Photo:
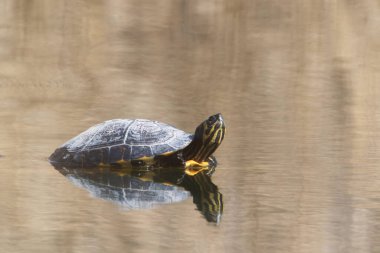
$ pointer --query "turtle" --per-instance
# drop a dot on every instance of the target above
(142, 142)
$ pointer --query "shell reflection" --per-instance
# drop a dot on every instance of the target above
(142, 189)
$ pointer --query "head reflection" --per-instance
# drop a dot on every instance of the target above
(142, 189)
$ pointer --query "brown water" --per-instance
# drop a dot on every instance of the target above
(298, 84)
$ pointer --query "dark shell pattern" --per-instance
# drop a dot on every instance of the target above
(124, 139)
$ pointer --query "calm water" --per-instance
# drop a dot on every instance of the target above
(299, 87)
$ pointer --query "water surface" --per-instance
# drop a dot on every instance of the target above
(298, 86)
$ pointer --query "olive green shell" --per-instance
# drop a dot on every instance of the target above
(121, 140)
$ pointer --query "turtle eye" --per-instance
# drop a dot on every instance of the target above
(210, 120)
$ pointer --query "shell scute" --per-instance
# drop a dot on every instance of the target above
(141, 151)
(94, 156)
(80, 140)
(162, 148)
(116, 154)
(111, 133)
(145, 132)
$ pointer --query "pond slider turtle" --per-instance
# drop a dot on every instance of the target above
(142, 142)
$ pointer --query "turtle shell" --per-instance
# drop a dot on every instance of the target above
(122, 139)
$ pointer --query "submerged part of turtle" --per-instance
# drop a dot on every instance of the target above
(141, 189)
(142, 142)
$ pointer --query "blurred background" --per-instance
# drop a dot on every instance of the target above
(297, 82)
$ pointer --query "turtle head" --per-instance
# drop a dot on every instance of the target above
(207, 138)
(211, 131)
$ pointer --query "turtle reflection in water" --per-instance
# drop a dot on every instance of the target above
(141, 189)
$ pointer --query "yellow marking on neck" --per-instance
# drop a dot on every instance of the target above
(193, 172)
(199, 152)
(192, 163)
(216, 134)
